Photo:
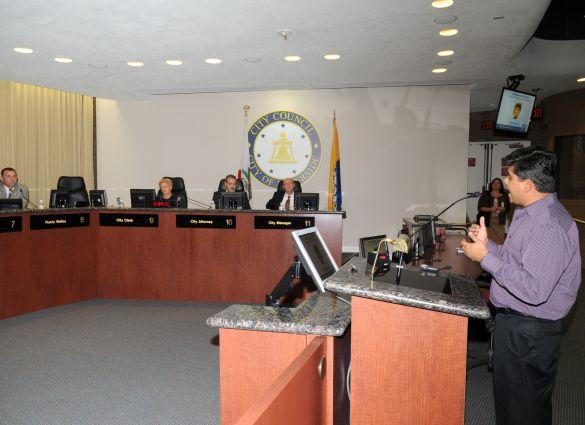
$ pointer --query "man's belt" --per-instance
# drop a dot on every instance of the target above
(506, 310)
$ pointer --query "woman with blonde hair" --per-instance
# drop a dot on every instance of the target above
(166, 194)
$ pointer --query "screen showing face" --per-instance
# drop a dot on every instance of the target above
(317, 254)
(515, 111)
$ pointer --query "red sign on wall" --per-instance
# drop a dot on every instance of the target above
(471, 162)
(488, 125)
(537, 113)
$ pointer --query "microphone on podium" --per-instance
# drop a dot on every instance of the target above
(402, 246)
(27, 200)
(435, 218)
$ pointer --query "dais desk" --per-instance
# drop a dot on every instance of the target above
(55, 257)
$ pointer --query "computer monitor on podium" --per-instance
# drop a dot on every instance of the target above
(307, 201)
(370, 243)
(232, 200)
(142, 198)
(60, 198)
(98, 198)
(10, 204)
(314, 255)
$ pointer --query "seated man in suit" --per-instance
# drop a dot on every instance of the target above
(11, 188)
(283, 199)
(229, 184)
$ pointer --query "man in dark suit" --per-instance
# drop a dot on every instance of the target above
(10, 188)
(283, 199)
(230, 185)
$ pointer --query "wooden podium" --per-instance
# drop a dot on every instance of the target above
(408, 348)
(284, 366)
(408, 365)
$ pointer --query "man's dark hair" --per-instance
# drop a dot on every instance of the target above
(6, 169)
(536, 164)
(231, 176)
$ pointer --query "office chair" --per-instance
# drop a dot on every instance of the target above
(297, 186)
(76, 186)
(178, 190)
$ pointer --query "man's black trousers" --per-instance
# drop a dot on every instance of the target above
(526, 350)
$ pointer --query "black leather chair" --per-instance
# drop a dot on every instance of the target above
(178, 190)
(239, 185)
(297, 186)
(76, 186)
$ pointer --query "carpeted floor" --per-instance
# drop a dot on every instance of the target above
(110, 362)
(139, 362)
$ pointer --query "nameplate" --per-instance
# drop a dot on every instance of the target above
(283, 222)
(128, 220)
(206, 221)
(10, 224)
(58, 221)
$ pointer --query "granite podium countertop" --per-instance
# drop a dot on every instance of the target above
(320, 314)
(466, 300)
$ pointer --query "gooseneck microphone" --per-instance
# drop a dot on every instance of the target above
(28, 200)
(435, 218)
(469, 195)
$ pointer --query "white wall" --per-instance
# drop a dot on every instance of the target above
(403, 149)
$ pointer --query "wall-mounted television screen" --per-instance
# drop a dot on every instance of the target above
(514, 113)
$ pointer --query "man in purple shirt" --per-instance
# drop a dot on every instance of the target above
(536, 275)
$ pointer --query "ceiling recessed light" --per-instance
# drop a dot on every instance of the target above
(292, 58)
(332, 57)
(63, 60)
(213, 61)
(441, 4)
(448, 32)
(174, 62)
(439, 70)
(445, 53)
(23, 50)
(445, 19)
(134, 64)
(581, 80)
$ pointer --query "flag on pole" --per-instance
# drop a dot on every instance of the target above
(244, 171)
(334, 172)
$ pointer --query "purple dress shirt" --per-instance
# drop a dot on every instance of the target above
(537, 271)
